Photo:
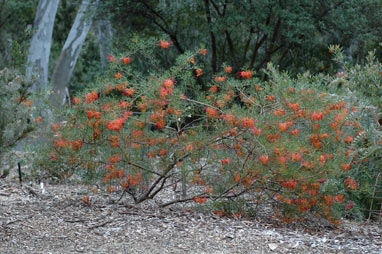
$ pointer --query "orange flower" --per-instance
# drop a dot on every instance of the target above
(168, 83)
(77, 145)
(257, 131)
(200, 200)
(199, 72)
(228, 69)
(349, 206)
(162, 152)
(38, 120)
(295, 132)
(340, 198)
(226, 161)
(247, 122)
(348, 139)
(280, 112)
(211, 113)
(291, 184)
(126, 60)
(283, 127)
(76, 100)
(270, 98)
(220, 79)
(118, 75)
(111, 58)
(328, 200)
(96, 115)
(246, 74)
(160, 124)
(61, 143)
(229, 118)
(317, 116)
(91, 97)
(165, 44)
(295, 107)
(124, 105)
(296, 157)
(351, 183)
(116, 125)
(129, 92)
(114, 141)
(203, 52)
(86, 200)
(213, 89)
(264, 159)
(345, 167)
(114, 159)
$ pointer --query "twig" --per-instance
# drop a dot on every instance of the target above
(100, 225)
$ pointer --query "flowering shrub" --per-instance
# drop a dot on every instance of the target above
(361, 84)
(281, 143)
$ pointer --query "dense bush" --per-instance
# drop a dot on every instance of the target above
(361, 84)
(282, 143)
(15, 111)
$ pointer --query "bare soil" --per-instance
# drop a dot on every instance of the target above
(59, 222)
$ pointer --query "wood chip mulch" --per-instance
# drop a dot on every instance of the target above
(59, 222)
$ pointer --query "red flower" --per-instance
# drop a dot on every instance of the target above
(116, 125)
(203, 52)
(126, 60)
(228, 69)
(213, 89)
(340, 198)
(111, 58)
(129, 92)
(165, 44)
(351, 183)
(90, 97)
(295, 107)
(348, 139)
(246, 74)
(264, 159)
(199, 72)
(349, 206)
(118, 75)
(317, 116)
(346, 167)
(200, 200)
(220, 79)
(247, 122)
(212, 113)
(283, 127)
(226, 161)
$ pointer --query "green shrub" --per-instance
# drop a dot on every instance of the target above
(15, 111)
(282, 143)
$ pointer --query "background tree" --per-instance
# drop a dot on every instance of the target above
(70, 52)
(39, 50)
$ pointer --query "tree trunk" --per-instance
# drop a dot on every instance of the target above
(39, 50)
(70, 52)
(105, 41)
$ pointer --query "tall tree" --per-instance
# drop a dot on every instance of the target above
(105, 36)
(39, 51)
(69, 55)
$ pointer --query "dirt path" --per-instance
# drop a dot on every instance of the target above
(59, 222)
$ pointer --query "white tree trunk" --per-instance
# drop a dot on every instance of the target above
(105, 40)
(39, 51)
(70, 52)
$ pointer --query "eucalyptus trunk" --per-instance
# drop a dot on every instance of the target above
(70, 52)
(105, 40)
(39, 50)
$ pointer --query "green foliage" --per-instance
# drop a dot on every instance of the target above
(282, 143)
(362, 85)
